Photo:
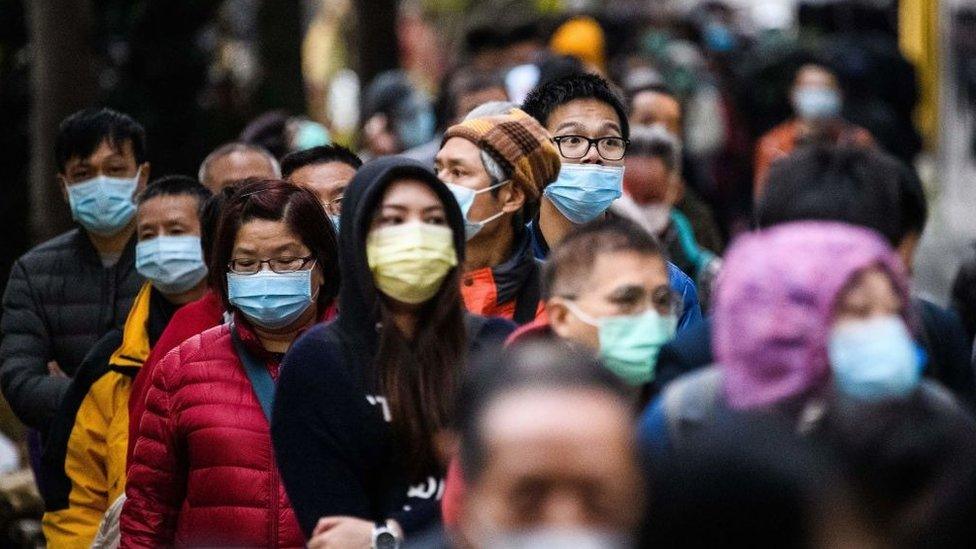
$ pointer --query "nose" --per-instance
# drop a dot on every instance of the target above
(565, 509)
(592, 156)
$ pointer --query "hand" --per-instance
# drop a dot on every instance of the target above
(342, 533)
(54, 370)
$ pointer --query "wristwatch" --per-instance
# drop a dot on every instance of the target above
(385, 537)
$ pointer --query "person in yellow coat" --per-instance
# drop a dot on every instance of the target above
(84, 456)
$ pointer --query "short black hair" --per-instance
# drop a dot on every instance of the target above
(324, 154)
(854, 185)
(575, 255)
(536, 363)
(547, 97)
(176, 185)
(81, 133)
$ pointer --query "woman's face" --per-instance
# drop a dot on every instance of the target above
(407, 201)
(262, 240)
(870, 294)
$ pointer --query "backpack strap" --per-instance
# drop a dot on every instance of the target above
(257, 372)
(527, 300)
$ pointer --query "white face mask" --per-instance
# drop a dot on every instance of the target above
(465, 198)
(553, 538)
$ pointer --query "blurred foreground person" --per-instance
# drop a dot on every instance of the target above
(588, 122)
(497, 167)
(817, 100)
(85, 453)
(548, 451)
(65, 294)
(361, 399)
(326, 171)
(202, 471)
(237, 161)
(751, 482)
(796, 333)
(911, 464)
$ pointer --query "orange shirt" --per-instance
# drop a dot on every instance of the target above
(480, 294)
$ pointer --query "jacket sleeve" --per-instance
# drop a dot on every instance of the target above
(85, 465)
(156, 484)
(314, 431)
(33, 394)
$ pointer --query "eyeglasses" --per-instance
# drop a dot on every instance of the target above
(577, 146)
(280, 265)
(664, 300)
(334, 205)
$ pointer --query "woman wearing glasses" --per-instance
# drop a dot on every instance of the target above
(203, 472)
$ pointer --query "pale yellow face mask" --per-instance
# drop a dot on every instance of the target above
(409, 261)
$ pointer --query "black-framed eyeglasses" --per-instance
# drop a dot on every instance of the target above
(577, 146)
(280, 265)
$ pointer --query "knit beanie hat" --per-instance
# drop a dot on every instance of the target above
(517, 142)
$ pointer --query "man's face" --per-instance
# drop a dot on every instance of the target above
(590, 118)
(459, 163)
(619, 283)
(105, 161)
(236, 166)
(560, 459)
(328, 181)
(168, 215)
(466, 102)
(651, 107)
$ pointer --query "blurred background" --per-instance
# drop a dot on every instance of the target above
(196, 73)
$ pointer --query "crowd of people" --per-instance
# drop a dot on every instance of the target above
(518, 328)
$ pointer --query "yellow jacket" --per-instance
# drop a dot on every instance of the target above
(89, 438)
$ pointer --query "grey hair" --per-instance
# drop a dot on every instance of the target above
(494, 169)
(237, 147)
(655, 141)
(491, 108)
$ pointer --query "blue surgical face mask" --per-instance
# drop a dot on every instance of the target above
(465, 198)
(584, 191)
(103, 205)
(816, 103)
(269, 299)
(874, 359)
(173, 264)
(416, 128)
(335, 219)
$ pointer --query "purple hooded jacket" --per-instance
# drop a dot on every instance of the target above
(774, 305)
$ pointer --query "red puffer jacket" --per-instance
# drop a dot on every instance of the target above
(203, 471)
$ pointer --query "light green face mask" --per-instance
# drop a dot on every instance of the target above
(629, 344)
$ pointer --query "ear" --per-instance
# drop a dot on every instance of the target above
(558, 315)
(512, 198)
(144, 170)
(63, 183)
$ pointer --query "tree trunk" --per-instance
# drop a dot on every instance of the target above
(62, 81)
(376, 40)
(280, 34)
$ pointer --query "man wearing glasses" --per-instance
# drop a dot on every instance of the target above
(588, 123)
(324, 170)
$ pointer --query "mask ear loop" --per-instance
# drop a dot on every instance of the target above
(578, 313)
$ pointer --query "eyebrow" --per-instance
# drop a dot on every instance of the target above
(404, 208)
(576, 126)
(629, 290)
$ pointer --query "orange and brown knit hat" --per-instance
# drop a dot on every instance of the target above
(519, 143)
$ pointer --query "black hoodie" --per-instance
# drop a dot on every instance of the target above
(330, 431)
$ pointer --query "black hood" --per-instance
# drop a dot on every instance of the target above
(358, 297)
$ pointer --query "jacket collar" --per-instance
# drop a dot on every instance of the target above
(135, 335)
(83, 243)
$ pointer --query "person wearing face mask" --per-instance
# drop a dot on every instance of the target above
(496, 166)
(65, 294)
(652, 188)
(589, 125)
(817, 101)
(197, 477)
(548, 419)
(326, 171)
(361, 399)
(826, 327)
(84, 455)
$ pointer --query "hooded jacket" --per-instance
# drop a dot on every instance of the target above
(774, 307)
(330, 429)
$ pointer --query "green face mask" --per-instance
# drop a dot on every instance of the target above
(629, 344)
